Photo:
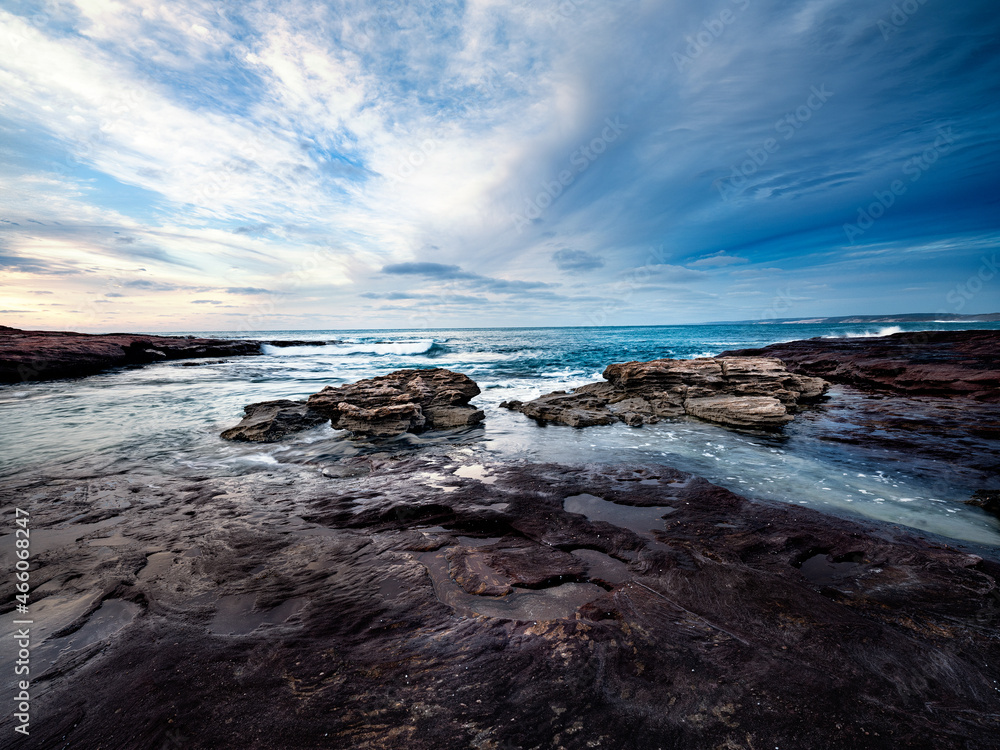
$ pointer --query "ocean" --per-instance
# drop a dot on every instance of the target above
(166, 418)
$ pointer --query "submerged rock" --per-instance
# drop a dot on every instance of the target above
(988, 500)
(269, 421)
(402, 401)
(753, 392)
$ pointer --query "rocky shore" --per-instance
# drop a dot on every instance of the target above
(926, 363)
(48, 355)
(403, 401)
(426, 598)
(642, 608)
(750, 392)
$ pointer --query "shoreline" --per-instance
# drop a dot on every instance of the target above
(53, 355)
(422, 599)
(335, 598)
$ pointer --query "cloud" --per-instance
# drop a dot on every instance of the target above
(247, 290)
(392, 295)
(668, 273)
(716, 260)
(152, 286)
(298, 146)
(576, 260)
(429, 270)
(439, 271)
(206, 302)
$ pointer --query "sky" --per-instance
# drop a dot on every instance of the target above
(222, 166)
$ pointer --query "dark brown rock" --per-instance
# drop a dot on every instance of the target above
(747, 392)
(942, 363)
(494, 570)
(47, 355)
(403, 401)
(734, 624)
(284, 343)
(269, 421)
(988, 500)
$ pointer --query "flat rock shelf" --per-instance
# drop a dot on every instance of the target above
(427, 604)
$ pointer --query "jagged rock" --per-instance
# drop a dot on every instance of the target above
(269, 421)
(403, 401)
(753, 392)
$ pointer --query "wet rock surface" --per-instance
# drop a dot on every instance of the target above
(988, 500)
(269, 421)
(403, 401)
(285, 609)
(950, 436)
(48, 355)
(751, 392)
(942, 363)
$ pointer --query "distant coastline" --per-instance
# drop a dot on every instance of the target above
(852, 319)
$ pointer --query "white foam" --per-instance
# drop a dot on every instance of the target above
(884, 331)
(416, 346)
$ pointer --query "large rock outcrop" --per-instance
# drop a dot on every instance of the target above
(936, 363)
(403, 401)
(749, 392)
(269, 421)
(48, 355)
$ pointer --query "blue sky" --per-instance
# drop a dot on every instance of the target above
(294, 165)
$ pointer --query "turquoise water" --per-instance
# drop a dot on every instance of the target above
(166, 418)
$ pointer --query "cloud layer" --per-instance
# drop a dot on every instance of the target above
(493, 163)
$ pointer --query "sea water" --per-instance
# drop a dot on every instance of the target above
(166, 417)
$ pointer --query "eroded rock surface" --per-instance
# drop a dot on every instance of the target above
(755, 392)
(284, 609)
(403, 401)
(47, 355)
(269, 421)
(941, 363)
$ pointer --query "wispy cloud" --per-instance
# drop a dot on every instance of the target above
(322, 157)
